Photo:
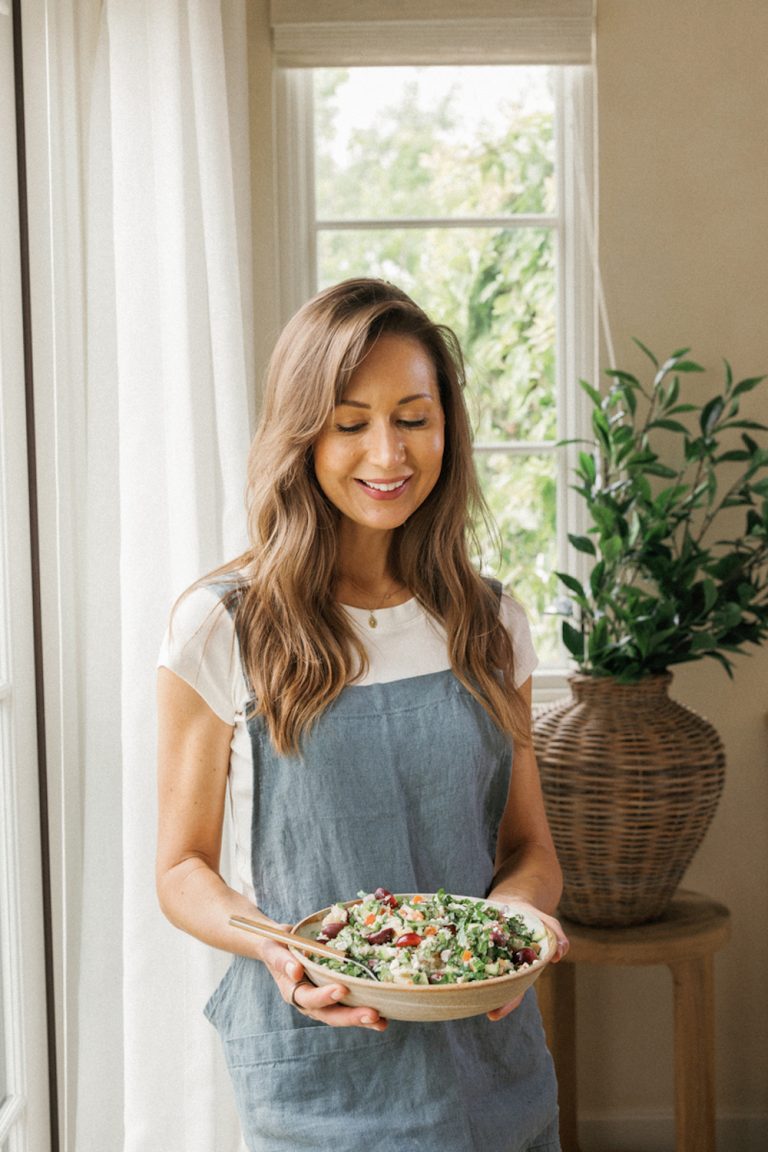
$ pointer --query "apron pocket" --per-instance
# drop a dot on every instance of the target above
(293, 1088)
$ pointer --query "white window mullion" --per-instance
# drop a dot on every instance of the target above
(394, 222)
(578, 277)
(518, 447)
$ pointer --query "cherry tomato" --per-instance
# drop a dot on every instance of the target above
(408, 940)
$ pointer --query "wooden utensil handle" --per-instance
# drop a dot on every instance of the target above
(272, 932)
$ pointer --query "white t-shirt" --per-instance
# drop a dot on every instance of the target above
(201, 647)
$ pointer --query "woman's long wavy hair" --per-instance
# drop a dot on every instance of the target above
(297, 644)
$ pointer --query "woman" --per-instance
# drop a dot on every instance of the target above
(366, 695)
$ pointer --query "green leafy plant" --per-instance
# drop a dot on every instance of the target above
(662, 478)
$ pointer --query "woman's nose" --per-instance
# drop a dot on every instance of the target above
(387, 447)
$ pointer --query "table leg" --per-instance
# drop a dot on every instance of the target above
(694, 1055)
(556, 989)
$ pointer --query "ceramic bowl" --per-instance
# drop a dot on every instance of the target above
(429, 1001)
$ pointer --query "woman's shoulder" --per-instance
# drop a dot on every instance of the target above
(207, 604)
(200, 643)
(512, 613)
(515, 620)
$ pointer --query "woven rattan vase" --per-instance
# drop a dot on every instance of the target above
(631, 782)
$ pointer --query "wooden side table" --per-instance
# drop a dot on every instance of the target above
(685, 940)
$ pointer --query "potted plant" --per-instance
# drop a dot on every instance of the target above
(676, 492)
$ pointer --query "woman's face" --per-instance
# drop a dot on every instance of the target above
(381, 453)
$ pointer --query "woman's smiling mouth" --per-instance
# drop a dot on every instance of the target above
(383, 489)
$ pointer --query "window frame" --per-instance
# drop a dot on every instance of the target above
(24, 1090)
(576, 297)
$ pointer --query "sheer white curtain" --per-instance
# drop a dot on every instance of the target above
(166, 410)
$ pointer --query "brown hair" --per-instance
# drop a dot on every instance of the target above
(298, 646)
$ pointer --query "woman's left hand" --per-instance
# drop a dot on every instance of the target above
(560, 951)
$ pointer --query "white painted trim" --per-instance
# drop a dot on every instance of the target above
(578, 351)
(54, 156)
(395, 222)
(295, 168)
(24, 1111)
(549, 684)
(517, 447)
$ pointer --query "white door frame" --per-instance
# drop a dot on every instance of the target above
(24, 1095)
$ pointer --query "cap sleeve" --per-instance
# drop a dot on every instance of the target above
(200, 646)
(516, 622)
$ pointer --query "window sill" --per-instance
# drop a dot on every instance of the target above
(549, 684)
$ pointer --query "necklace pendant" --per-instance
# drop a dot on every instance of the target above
(372, 621)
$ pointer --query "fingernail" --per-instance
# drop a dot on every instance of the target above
(337, 994)
(367, 1020)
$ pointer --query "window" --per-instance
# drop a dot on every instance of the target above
(467, 186)
(452, 150)
(443, 181)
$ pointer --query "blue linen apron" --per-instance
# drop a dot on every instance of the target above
(401, 785)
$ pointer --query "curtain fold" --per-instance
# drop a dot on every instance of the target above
(169, 397)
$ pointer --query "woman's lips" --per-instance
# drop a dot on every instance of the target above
(383, 489)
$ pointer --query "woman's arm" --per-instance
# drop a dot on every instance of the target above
(193, 763)
(527, 868)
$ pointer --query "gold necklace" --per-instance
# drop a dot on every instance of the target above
(372, 621)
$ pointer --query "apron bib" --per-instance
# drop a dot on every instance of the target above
(402, 785)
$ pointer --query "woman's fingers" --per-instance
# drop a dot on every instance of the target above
(562, 940)
(319, 1003)
(559, 953)
(500, 1013)
(322, 1004)
(555, 925)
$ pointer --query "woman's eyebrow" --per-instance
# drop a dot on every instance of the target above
(405, 400)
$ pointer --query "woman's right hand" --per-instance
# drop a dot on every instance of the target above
(317, 1003)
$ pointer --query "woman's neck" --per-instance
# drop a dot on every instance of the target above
(364, 558)
(364, 574)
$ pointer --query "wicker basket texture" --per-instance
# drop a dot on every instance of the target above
(631, 781)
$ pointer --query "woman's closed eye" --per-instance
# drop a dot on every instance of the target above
(358, 427)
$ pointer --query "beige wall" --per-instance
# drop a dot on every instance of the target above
(683, 144)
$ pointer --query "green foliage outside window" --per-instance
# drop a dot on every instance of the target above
(495, 286)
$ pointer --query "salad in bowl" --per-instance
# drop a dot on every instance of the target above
(431, 955)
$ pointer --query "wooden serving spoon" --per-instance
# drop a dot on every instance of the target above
(302, 943)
